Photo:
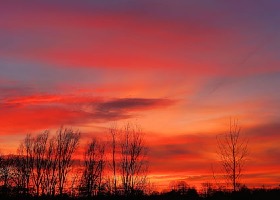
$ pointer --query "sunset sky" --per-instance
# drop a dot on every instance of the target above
(181, 69)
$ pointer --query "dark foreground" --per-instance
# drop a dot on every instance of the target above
(248, 194)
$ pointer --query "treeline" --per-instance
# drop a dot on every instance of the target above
(180, 190)
(45, 165)
(57, 166)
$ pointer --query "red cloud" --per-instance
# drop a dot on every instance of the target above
(45, 111)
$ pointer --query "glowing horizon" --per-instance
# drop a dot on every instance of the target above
(180, 69)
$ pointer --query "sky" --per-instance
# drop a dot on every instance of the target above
(180, 69)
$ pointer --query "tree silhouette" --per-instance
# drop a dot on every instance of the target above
(66, 143)
(133, 161)
(232, 150)
(93, 168)
(51, 164)
(44, 163)
(26, 156)
(6, 170)
(114, 134)
(39, 161)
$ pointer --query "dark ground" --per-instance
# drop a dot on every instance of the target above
(256, 194)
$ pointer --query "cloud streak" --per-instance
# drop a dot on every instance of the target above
(134, 104)
(46, 110)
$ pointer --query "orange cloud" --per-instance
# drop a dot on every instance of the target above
(35, 112)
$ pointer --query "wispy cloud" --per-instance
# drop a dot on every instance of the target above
(133, 104)
(40, 111)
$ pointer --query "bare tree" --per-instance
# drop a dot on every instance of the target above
(133, 161)
(75, 182)
(19, 175)
(30, 164)
(113, 132)
(66, 143)
(206, 189)
(6, 170)
(93, 167)
(39, 161)
(25, 162)
(179, 186)
(46, 162)
(232, 150)
(50, 173)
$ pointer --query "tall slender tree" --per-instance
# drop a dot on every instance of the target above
(232, 150)
(26, 157)
(133, 160)
(39, 157)
(66, 143)
(51, 163)
(114, 134)
(93, 167)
